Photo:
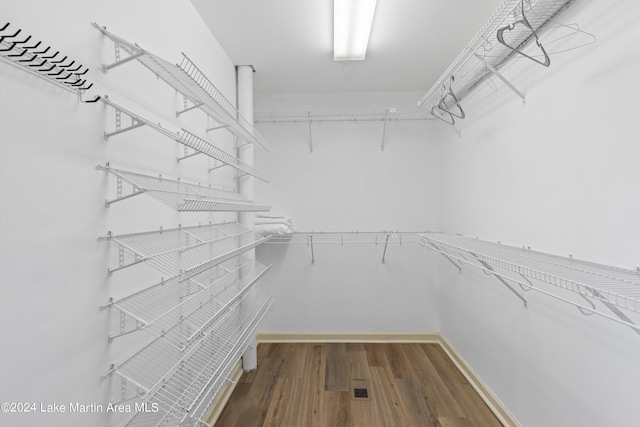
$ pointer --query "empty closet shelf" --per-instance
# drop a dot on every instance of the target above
(184, 137)
(381, 115)
(184, 252)
(182, 384)
(179, 195)
(181, 314)
(615, 287)
(188, 80)
(348, 238)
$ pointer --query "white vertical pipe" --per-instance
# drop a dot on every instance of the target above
(246, 183)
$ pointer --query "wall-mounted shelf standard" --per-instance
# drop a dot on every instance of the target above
(179, 195)
(17, 48)
(182, 384)
(184, 137)
(559, 277)
(188, 80)
(180, 311)
(184, 252)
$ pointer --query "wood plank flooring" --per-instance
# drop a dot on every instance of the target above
(311, 385)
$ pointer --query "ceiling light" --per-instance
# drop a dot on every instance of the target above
(352, 21)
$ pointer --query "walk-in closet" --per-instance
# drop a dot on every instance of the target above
(381, 213)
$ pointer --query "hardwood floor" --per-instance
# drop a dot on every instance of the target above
(311, 385)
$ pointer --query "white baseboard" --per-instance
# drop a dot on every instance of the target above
(223, 395)
(325, 337)
(493, 402)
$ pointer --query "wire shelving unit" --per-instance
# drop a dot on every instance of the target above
(585, 285)
(192, 83)
(184, 137)
(382, 238)
(517, 22)
(379, 115)
(182, 383)
(179, 195)
(484, 55)
(180, 311)
(184, 252)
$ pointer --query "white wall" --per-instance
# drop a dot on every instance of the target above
(349, 184)
(560, 174)
(53, 270)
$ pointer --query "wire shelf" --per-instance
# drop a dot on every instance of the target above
(185, 252)
(186, 138)
(181, 311)
(480, 59)
(181, 385)
(470, 67)
(187, 79)
(182, 196)
(347, 238)
(380, 115)
(616, 288)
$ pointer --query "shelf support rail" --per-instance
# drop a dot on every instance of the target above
(582, 290)
(310, 136)
(384, 129)
(499, 75)
(384, 252)
(542, 291)
(310, 243)
(119, 197)
(444, 254)
(187, 108)
(500, 279)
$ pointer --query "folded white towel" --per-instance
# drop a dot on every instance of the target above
(271, 229)
(283, 220)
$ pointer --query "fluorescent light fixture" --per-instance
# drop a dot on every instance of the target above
(352, 21)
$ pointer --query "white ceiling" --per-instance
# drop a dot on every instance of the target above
(290, 42)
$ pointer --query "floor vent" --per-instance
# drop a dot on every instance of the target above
(360, 393)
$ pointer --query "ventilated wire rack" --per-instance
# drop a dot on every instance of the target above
(347, 238)
(182, 385)
(313, 238)
(181, 196)
(484, 51)
(380, 115)
(192, 83)
(180, 313)
(615, 288)
(184, 137)
(184, 252)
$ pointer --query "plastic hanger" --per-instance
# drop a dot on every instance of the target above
(524, 21)
(442, 104)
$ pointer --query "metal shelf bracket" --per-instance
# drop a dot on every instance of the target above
(501, 77)
(135, 123)
(310, 136)
(386, 243)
